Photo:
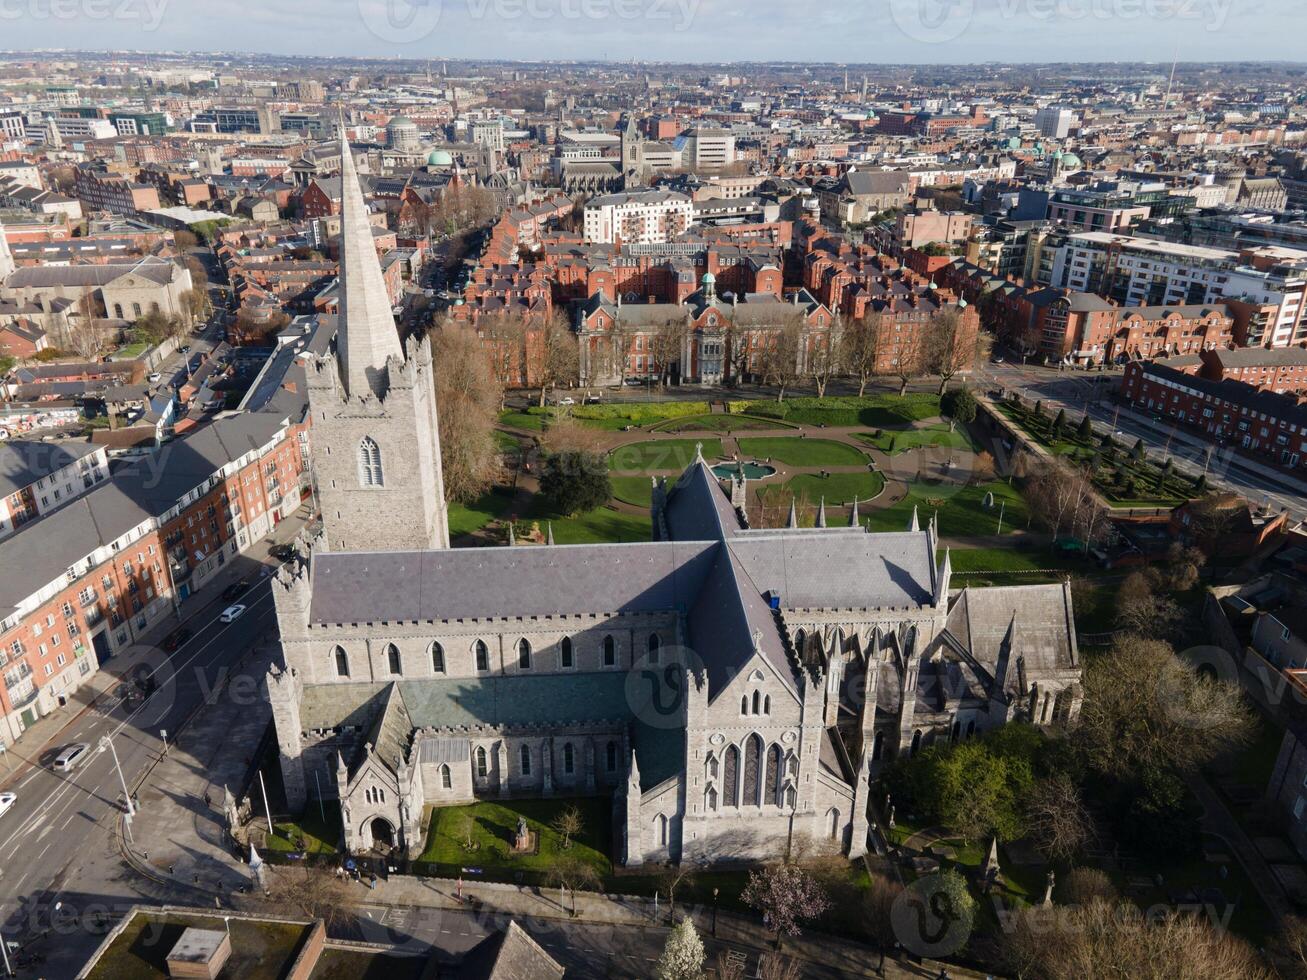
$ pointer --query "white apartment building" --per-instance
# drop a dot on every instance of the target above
(77, 128)
(1145, 272)
(707, 149)
(13, 125)
(638, 217)
(1054, 122)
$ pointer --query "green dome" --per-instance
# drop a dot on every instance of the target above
(707, 278)
(1071, 161)
(439, 158)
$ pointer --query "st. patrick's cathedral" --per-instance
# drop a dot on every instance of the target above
(732, 690)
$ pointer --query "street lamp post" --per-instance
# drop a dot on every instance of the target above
(714, 913)
(107, 742)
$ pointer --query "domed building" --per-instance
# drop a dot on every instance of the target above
(402, 134)
(440, 158)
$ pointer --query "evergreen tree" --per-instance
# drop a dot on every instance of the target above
(1059, 423)
(1086, 430)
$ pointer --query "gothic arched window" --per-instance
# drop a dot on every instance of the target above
(772, 794)
(369, 463)
(565, 652)
(342, 662)
(445, 781)
(610, 758)
(482, 655)
(523, 655)
(569, 759)
(437, 658)
(610, 651)
(393, 663)
(752, 765)
(481, 761)
(731, 776)
(526, 761)
(655, 645)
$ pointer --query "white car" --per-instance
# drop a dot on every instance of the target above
(6, 801)
(69, 758)
(567, 401)
(155, 378)
(232, 613)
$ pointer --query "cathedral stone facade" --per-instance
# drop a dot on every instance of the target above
(732, 690)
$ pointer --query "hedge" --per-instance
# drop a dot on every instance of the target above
(638, 413)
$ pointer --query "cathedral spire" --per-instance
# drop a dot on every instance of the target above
(793, 520)
(6, 257)
(916, 523)
(366, 336)
(854, 521)
(821, 513)
(549, 535)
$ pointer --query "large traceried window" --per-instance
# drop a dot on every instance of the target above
(342, 663)
(369, 463)
(731, 776)
(752, 763)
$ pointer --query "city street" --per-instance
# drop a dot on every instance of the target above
(1080, 391)
(60, 834)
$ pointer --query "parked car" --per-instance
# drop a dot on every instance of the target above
(176, 638)
(71, 757)
(232, 613)
(235, 589)
(154, 377)
(7, 800)
(282, 552)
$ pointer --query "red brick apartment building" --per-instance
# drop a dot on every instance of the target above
(103, 191)
(1260, 423)
(82, 582)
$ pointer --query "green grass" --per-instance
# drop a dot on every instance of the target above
(961, 509)
(662, 455)
(839, 489)
(970, 561)
(717, 423)
(894, 442)
(506, 442)
(490, 506)
(494, 825)
(802, 452)
(261, 949)
(522, 420)
(130, 352)
(632, 490)
(319, 836)
(599, 526)
(874, 411)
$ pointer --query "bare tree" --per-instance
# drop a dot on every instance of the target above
(86, 335)
(568, 823)
(1105, 939)
(860, 348)
(947, 347)
(467, 402)
(825, 358)
(774, 966)
(311, 892)
(1081, 886)
(907, 361)
(620, 337)
(667, 344)
(1057, 819)
(1289, 947)
(558, 362)
(877, 908)
(1142, 606)
(1145, 708)
(782, 359)
(568, 873)
(730, 965)
(505, 336)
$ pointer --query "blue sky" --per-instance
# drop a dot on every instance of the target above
(919, 31)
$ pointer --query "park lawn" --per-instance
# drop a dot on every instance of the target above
(802, 452)
(961, 509)
(667, 455)
(522, 420)
(603, 525)
(894, 442)
(320, 836)
(838, 489)
(880, 411)
(130, 352)
(490, 506)
(506, 441)
(718, 423)
(636, 490)
(494, 825)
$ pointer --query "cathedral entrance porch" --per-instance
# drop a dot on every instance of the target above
(382, 834)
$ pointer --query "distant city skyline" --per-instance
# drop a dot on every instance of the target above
(707, 31)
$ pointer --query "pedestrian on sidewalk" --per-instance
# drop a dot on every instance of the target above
(372, 880)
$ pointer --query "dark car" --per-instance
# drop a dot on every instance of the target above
(235, 589)
(176, 638)
(282, 552)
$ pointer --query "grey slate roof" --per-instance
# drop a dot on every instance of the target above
(23, 462)
(474, 583)
(797, 565)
